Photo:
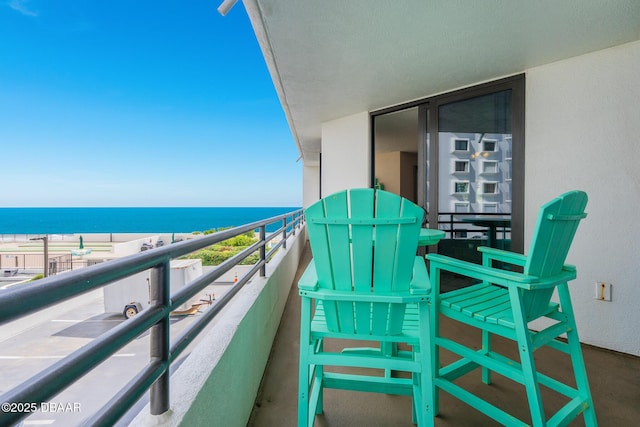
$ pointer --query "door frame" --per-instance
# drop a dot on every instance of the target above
(428, 115)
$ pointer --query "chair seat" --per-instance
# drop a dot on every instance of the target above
(483, 302)
(409, 335)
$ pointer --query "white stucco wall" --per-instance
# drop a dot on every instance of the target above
(346, 153)
(583, 132)
(310, 185)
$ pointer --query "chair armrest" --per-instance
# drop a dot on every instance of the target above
(309, 279)
(497, 276)
(420, 283)
(489, 253)
(308, 287)
(387, 298)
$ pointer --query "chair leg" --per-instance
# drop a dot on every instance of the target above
(486, 349)
(433, 354)
(319, 373)
(577, 360)
(304, 367)
(527, 362)
(415, 402)
(425, 410)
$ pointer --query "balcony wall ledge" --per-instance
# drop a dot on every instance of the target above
(217, 384)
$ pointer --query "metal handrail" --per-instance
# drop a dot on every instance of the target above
(452, 224)
(155, 376)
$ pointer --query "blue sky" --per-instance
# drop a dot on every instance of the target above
(139, 103)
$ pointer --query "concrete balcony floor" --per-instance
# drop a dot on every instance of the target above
(614, 380)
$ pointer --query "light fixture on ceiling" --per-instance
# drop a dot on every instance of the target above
(226, 6)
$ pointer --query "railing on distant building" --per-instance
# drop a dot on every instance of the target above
(463, 236)
(155, 376)
(12, 263)
(458, 225)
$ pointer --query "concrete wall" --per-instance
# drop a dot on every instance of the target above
(310, 185)
(217, 384)
(346, 153)
(395, 170)
(583, 132)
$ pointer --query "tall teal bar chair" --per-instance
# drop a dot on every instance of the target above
(365, 283)
(504, 303)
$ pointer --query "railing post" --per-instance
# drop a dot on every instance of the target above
(263, 235)
(451, 226)
(284, 233)
(294, 224)
(159, 337)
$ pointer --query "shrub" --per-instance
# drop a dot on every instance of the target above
(241, 240)
(218, 253)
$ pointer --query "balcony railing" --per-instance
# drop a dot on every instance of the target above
(459, 225)
(155, 375)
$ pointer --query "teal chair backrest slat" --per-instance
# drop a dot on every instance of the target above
(556, 226)
(364, 241)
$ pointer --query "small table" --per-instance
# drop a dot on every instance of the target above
(429, 236)
(491, 222)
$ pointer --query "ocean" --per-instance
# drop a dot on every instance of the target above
(130, 220)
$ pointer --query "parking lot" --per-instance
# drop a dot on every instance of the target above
(42, 339)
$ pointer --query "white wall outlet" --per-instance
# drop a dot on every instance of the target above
(603, 291)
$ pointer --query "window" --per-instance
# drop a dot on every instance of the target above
(461, 166)
(461, 187)
(460, 144)
(490, 208)
(489, 166)
(489, 145)
(461, 207)
(489, 187)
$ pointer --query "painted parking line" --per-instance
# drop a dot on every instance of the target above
(38, 422)
(86, 320)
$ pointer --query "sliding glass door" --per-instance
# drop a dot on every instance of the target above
(469, 150)
(475, 179)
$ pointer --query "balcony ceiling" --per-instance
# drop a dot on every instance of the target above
(333, 58)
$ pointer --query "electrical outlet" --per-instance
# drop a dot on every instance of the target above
(603, 291)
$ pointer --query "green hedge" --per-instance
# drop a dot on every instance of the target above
(220, 252)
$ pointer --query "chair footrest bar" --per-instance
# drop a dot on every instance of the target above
(376, 352)
(457, 369)
(356, 360)
(568, 412)
(493, 361)
(559, 346)
(547, 335)
(478, 403)
(402, 386)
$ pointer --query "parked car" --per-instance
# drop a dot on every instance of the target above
(146, 246)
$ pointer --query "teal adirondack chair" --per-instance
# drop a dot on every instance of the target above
(504, 303)
(363, 276)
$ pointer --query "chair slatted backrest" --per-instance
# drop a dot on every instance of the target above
(556, 226)
(364, 241)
